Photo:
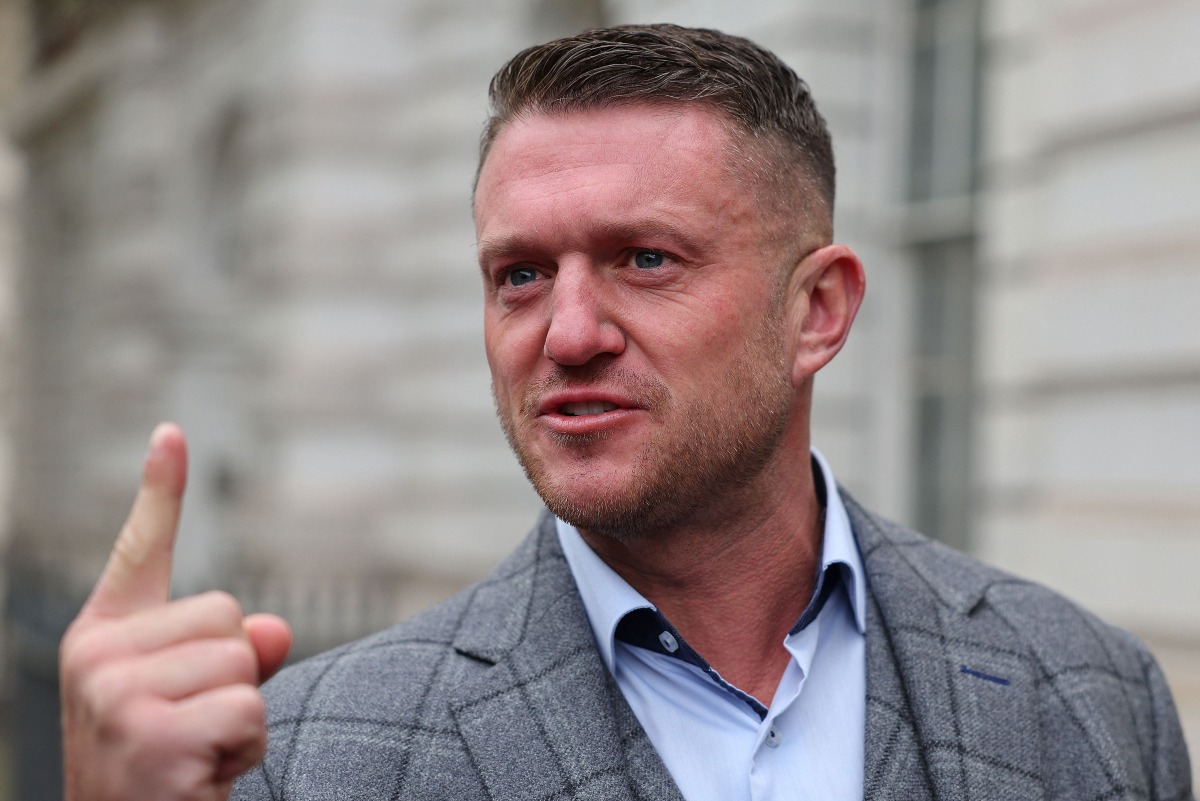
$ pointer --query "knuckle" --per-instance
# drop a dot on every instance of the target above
(81, 651)
(245, 720)
(253, 707)
(126, 537)
(104, 693)
(132, 544)
(247, 706)
(143, 728)
(239, 655)
(253, 711)
(223, 607)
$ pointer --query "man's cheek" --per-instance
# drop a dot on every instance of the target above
(509, 402)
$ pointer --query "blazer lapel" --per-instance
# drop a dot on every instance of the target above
(951, 693)
(547, 720)
(895, 766)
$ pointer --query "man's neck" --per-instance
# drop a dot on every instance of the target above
(733, 590)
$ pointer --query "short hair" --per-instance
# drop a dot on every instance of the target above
(606, 67)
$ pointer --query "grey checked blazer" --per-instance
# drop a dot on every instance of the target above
(979, 686)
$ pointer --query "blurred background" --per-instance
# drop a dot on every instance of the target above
(254, 219)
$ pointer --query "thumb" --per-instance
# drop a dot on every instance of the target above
(271, 637)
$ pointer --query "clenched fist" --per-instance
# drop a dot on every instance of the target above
(160, 699)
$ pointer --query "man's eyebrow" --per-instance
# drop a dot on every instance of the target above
(634, 231)
(624, 231)
(499, 247)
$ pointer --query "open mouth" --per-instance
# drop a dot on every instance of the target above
(585, 408)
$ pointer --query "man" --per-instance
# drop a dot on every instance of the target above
(702, 614)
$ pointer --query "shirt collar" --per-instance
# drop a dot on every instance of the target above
(608, 598)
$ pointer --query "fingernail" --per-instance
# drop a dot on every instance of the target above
(157, 440)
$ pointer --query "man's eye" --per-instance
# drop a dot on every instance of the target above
(520, 276)
(648, 259)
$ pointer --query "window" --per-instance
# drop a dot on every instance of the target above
(943, 177)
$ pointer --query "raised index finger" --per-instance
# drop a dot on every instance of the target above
(138, 573)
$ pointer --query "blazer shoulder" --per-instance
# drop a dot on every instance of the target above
(907, 569)
(385, 715)
(354, 666)
(1100, 680)
(351, 705)
(1092, 689)
(400, 679)
(918, 568)
(355, 674)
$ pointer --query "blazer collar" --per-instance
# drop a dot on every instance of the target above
(547, 720)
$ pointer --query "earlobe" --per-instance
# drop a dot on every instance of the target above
(826, 291)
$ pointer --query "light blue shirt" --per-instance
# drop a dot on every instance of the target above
(718, 743)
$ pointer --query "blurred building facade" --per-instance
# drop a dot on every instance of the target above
(254, 218)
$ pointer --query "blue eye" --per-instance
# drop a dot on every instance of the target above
(648, 259)
(520, 276)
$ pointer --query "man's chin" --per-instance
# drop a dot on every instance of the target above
(616, 514)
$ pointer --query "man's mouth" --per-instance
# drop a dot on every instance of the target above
(584, 408)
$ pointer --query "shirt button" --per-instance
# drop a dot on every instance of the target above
(773, 738)
(669, 642)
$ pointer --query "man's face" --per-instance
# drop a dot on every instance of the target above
(634, 317)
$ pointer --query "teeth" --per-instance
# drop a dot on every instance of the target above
(586, 407)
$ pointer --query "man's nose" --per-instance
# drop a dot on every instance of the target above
(581, 325)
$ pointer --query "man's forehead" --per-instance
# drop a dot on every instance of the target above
(671, 125)
(650, 139)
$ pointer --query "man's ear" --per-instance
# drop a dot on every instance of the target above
(824, 294)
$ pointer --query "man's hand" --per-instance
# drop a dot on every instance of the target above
(160, 699)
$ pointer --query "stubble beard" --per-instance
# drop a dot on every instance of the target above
(696, 469)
